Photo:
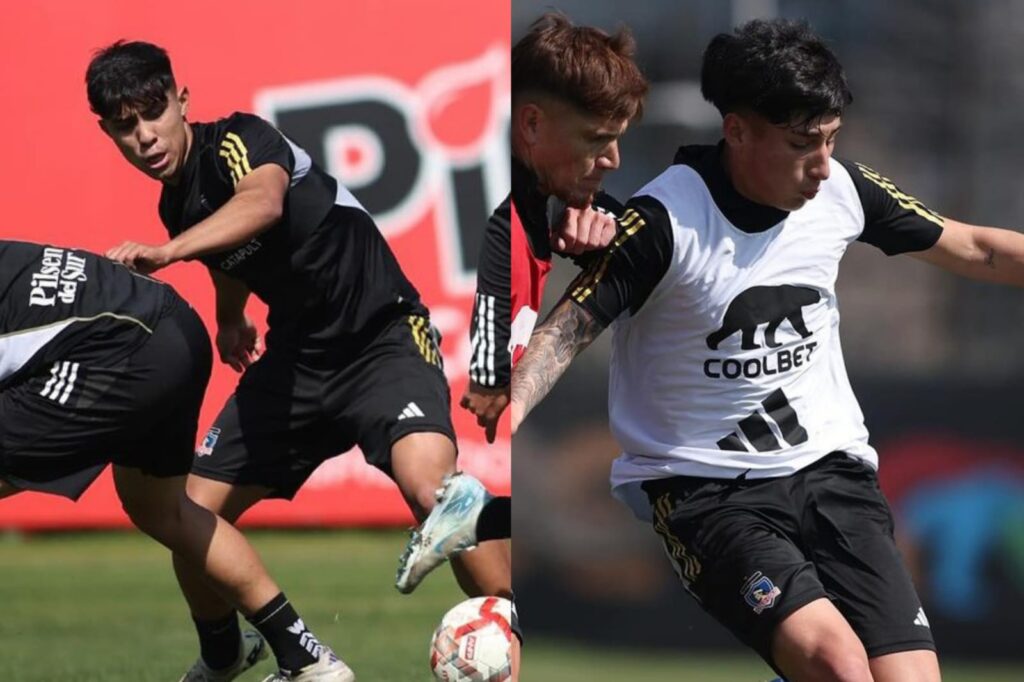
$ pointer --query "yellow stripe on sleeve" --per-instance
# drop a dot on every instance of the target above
(904, 200)
(244, 152)
(591, 277)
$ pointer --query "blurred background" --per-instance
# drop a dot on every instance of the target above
(934, 359)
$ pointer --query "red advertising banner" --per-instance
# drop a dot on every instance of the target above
(405, 102)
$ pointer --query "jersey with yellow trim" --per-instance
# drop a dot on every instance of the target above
(53, 299)
(326, 273)
(726, 356)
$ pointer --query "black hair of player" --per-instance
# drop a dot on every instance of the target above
(133, 76)
(779, 69)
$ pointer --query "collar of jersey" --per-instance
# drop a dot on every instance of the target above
(744, 214)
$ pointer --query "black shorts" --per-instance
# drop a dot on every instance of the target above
(63, 424)
(754, 551)
(285, 418)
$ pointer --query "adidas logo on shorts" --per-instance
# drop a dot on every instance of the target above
(411, 410)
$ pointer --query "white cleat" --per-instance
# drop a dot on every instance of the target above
(329, 668)
(449, 529)
(252, 649)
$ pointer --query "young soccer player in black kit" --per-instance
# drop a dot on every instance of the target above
(351, 357)
(101, 365)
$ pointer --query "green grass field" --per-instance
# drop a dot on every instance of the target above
(105, 607)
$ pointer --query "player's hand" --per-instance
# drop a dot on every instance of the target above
(239, 344)
(487, 404)
(141, 258)
(583, 230)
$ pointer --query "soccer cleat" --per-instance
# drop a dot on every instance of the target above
(329, 668)
(449, 529)
(252, 649)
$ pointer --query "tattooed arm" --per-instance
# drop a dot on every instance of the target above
(615, 282)
(560, 338)
(986, 253)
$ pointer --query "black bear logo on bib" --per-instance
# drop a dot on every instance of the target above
(760, 305)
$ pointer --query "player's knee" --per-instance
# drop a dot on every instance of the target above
(836, 663)
(161, 521)
(213, 499)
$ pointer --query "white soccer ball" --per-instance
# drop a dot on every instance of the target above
(473, 642)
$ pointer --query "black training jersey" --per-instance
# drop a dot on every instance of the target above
(636, 262)
(326, 273)
(55, 299)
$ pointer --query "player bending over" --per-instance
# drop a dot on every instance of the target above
(99, 365)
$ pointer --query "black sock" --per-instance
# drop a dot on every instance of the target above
(495, 522)
(218, 640)
(294, 646)
(517, 630)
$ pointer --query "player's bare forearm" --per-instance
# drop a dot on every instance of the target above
(232, 295)
(1002, 255)
(560, 338)
(242, 218)
(986, 253)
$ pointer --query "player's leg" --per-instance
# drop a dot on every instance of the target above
(229, 502)
(234, 470)
(861, 567)
(420, 462)
(167, 399)
(816, 643)
(295, 646)
(397, 389)
(449, 528)
(222, 644)
(213, 547)
(208, 543)
(397, 397)
(734, 546)
(906, 666)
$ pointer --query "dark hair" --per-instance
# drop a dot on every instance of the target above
(135, 75)
(582, 65)
(778, 69)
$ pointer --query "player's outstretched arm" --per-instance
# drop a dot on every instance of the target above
(258, 203)
(560, 338)
(986, 253)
